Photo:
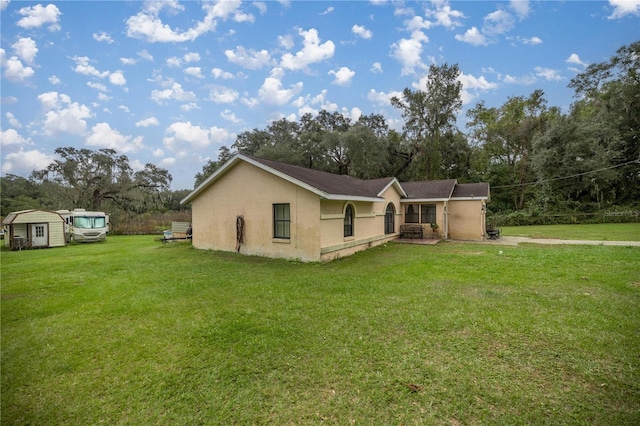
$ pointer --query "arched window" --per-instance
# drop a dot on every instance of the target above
(411, 214)
(390, 219)
(348, 221)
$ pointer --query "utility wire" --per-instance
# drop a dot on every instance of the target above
(538, 182)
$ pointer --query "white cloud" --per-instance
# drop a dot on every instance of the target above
(261, 6)
(361, 31)
(84, 67)
(14, 70)
(148, 26)
(97, 86)
(352, 114)
(381, 98)
(376, 68)
(124, 108)
(24, 162)
(547, 74)
(176, 92)
(151, 121)
(174, 61)
(470, 82)
(13, 121)
(103, 37)
(167, 162)
(223, 95)
(230, 116)
(313, 51)
(103, 136)
(54, 80)
(472, 86)
(218, 73)
(409, 52)
(158, 152)
(526, 80)
(248, 58)
(322, 102)
(4, 4)
(444, 15)
(521, 7)
(343, 76)
(272, 91)
(327, 11)
(498, 22)
(37, 16)
(531, 40)
(195, 137)
(26, 50)
(189, 106)
(191, 57)
(117, 78)
(622, 8)
(128, 61)
(12, 137)
(62, 115)
(472, 36)
(399, 11)
(145, 55)
(286, 41)
(575, 59)
(417, 23)
(194, 72)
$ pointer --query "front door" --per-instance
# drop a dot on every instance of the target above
(39, 235)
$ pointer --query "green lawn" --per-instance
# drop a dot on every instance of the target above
(598, 232)
(134, 332)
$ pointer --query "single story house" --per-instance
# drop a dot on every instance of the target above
(267, 208)
(33, 229)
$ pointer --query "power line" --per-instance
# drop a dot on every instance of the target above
(538, 182)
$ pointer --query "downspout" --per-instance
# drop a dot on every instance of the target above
(483, 221)
(446, 220)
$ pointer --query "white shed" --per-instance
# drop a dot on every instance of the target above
(33, 229)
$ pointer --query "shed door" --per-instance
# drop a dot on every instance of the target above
(39, 235)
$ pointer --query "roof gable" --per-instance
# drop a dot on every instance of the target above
(326, 185)
(433, 190)
(24, 216)
(471, 191)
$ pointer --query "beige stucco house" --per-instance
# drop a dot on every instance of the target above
(263, 207)
(33, 229)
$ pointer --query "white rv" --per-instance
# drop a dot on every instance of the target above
(85, 226)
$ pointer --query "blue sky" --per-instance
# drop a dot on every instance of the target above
(171, 82)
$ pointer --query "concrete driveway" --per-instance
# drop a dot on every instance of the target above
(514, 241)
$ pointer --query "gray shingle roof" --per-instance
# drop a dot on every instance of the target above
(343, 187)
(469, 190)
(329, 182)
(429, 189)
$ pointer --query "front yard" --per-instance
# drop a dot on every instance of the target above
(135, 332)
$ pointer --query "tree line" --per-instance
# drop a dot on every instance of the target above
(536, 158)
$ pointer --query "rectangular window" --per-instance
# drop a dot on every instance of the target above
(39, 231)
(281, 221)
(428, 213)
(411, 213)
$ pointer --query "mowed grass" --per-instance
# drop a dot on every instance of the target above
(134, 332)
(597, 232)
